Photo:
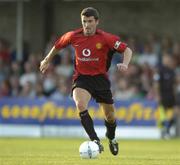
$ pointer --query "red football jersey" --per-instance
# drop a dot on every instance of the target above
(93, 54)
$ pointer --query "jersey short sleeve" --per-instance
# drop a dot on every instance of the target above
(114, 43)
(64, 40)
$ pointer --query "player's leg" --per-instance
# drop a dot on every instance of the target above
(170, 113)
(167, 110)
(82, 98)
(110, 123)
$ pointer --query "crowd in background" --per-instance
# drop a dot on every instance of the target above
(23, 79)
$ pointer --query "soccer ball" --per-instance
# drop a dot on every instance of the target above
(89, 150)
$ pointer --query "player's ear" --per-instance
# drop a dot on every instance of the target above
(97, 22)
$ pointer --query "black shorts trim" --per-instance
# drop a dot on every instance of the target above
(78, 86)
(98, 86)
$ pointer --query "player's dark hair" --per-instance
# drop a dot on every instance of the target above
(90, 11)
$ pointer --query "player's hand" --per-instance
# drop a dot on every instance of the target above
(44, 65)
(122, 67)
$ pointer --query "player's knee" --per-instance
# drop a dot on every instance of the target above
(81, 106)
(110, 118)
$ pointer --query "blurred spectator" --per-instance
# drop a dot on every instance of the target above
(152, 39)
(25, 53)
(29, 75)
(16, 68)
(49, 81)
(4, 51)
(65, 68)
(15, 86)
(28, 90)
(146, 78)
(3, 73)
(39, 90)
(124, 90)
(166, 44)
(148, 57)
(62, 90)
(33, 60)
(5, 89)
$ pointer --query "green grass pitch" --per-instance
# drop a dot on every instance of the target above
(60, 151)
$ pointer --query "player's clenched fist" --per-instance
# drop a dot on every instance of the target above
(44, 65)
(122, 67)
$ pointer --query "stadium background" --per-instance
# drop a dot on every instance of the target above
(36, 105)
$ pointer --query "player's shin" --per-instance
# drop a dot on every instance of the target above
(110, 134)
(88, 125)
(110, 129)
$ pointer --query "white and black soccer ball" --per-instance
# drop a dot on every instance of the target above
(89, 150)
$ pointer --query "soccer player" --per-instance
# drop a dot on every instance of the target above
(93, 53)
(165, 89)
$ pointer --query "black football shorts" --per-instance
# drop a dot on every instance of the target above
(98, 86)
(168, 101)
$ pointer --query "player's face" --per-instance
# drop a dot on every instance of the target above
(89, 25)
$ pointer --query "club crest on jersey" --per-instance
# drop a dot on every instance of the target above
(98, 45)
(86, 52)
(116, 45)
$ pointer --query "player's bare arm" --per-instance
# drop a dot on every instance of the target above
(45, 62)
(127, 57)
